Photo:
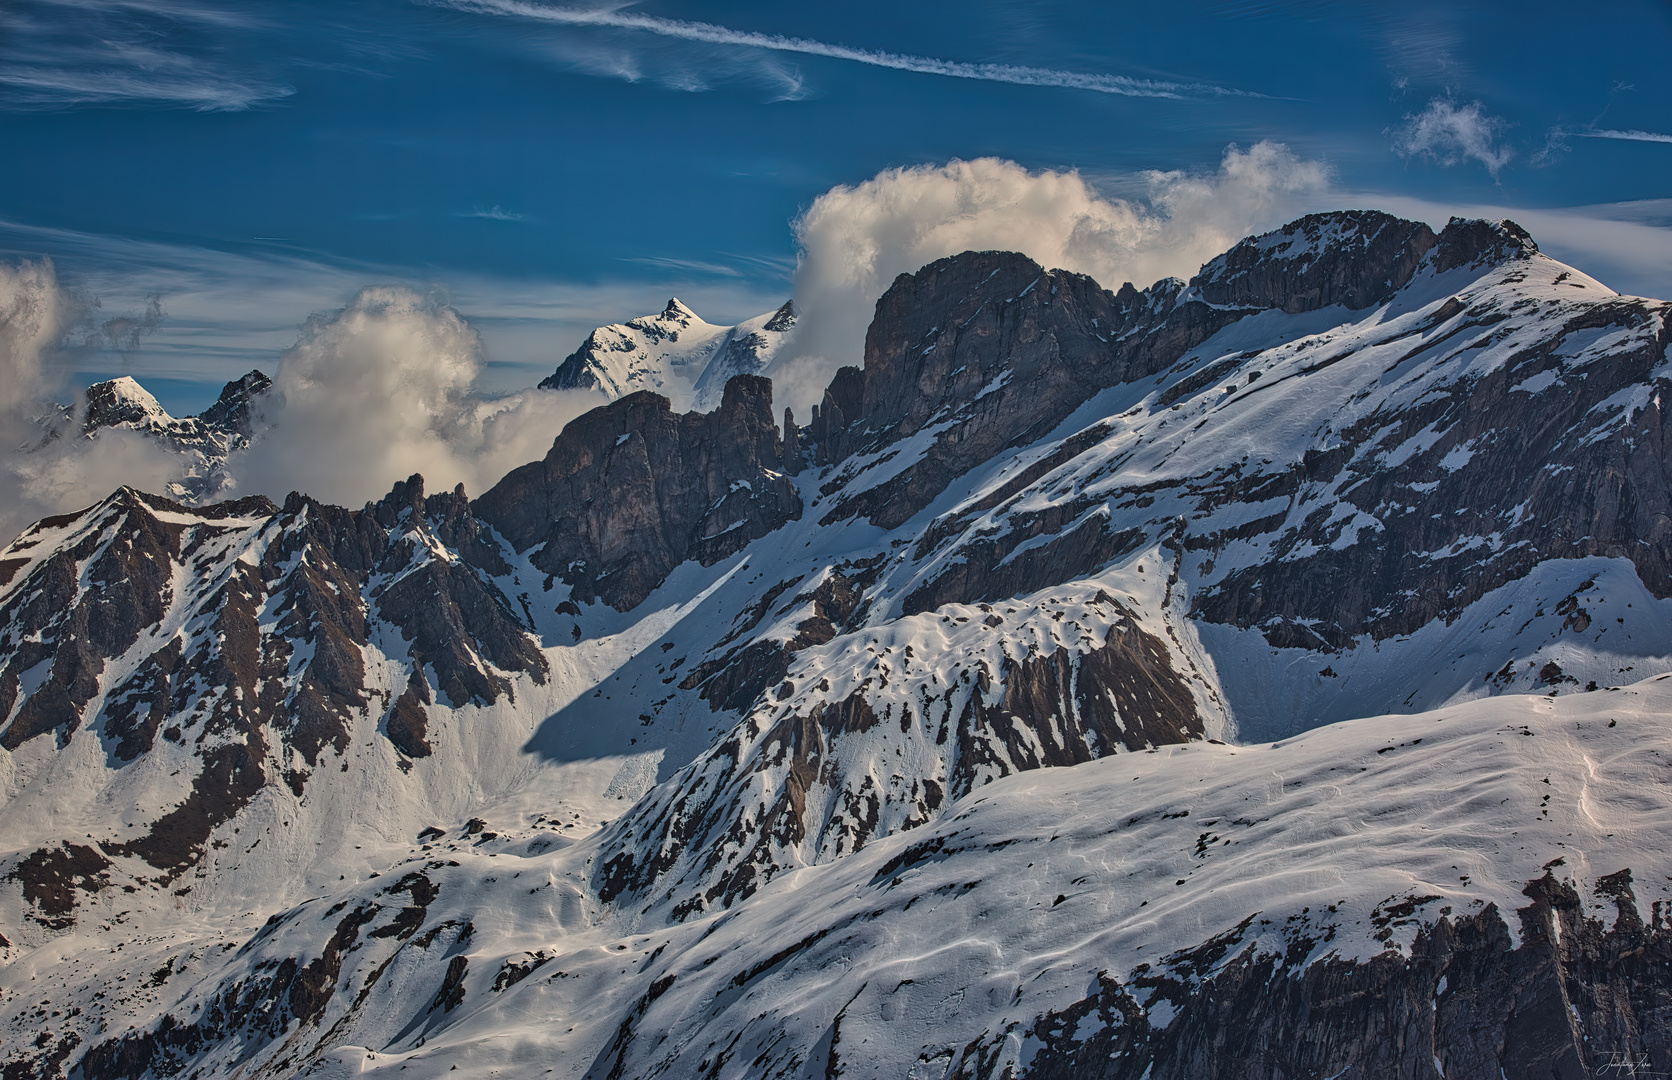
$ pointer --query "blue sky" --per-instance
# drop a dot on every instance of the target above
(547, 167)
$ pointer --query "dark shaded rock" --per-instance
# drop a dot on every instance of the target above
(1476, 242)
(1354, 258)
(135, 711)
(408, 723)
(233, 410)
(631, 490)
(1575, 999)
(998, 350)
(53, 877)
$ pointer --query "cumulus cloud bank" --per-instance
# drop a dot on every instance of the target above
(1451, 134)
(855, 240)
(386, 387)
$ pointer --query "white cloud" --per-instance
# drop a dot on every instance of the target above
(387, 387)
(1632, 135)
(1451, 135)
(856, 240)
(34, 315)
(711, 34)
(58, 53)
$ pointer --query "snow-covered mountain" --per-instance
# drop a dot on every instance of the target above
(203, 441)
(674, 353)
(933, 738)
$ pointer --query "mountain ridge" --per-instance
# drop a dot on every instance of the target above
(689, 665)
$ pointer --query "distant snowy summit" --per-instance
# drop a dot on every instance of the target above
(674, 353)
(204, 441)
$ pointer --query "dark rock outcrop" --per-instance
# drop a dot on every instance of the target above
(631, 490)
(1576, 999)
(1354, 258)
(233, 411)
(995, 350)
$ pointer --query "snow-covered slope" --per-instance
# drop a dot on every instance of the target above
(1201, 910)
(674, 353)
(693, 688)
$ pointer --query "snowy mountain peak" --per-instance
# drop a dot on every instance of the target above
(678, 312)
(782, 319)
(674, 353)
(122, 402)
(202, 442)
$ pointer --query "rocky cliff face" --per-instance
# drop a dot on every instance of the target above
(1354, 259)
(990, 350)
(630, 491)
(803, 751)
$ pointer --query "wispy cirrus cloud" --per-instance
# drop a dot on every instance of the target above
(493, 213)
(1452, 134)
(713, 34)
(1632, 135)
(687, 266)
(180, 54)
